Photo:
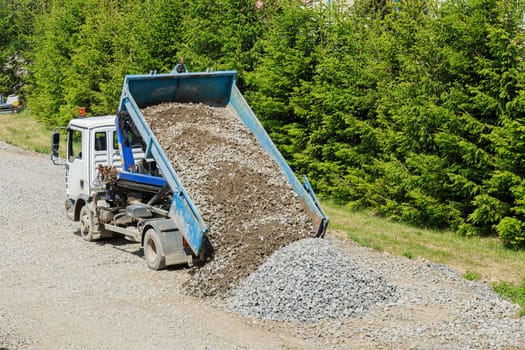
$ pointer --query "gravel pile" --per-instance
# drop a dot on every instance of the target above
(239, 190)
(310, 280)
(347, 296)
(433, 308)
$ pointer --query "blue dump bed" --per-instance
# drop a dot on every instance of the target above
(215, 89)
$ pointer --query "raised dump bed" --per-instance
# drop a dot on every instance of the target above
(213, 89)
(202, 133)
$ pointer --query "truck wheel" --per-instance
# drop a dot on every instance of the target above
(86, 230)
(153, 250)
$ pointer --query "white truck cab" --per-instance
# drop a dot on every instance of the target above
(90, 142)
(136, 210)
(87, 146)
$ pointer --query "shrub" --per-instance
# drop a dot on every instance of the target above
(511, 231)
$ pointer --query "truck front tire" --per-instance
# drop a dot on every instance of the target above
(86, 228)
(153, 250)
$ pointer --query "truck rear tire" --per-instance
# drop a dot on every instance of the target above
(86, 229)
(153, 250)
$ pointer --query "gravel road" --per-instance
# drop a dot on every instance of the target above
(60, 292)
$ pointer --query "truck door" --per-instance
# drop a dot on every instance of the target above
(101, 155)
(115, 153)
(76, 179)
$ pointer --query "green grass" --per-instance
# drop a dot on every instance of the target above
(22, 130)
(472, 275)
(512, 292)
(408, 255)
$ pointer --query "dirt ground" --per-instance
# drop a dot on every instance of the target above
(60, 292)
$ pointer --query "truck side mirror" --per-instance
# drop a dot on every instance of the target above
(55, 144)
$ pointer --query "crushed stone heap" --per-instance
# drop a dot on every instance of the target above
(239, 190)
(310, 280)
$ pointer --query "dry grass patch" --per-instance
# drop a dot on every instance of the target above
(22, 130)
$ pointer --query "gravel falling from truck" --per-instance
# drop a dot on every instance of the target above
(240, 192)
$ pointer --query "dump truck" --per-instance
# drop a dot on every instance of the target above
(120, 181)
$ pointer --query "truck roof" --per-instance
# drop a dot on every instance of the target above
(93, 122)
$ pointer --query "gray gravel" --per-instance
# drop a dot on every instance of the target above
(404, 303)
(59, 292)
(310, 280)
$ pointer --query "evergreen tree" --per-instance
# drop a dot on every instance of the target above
(413, 108)
(16, 25)
(56, 34)
(285, 60)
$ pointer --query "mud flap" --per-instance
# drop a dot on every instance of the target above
(172, 242)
